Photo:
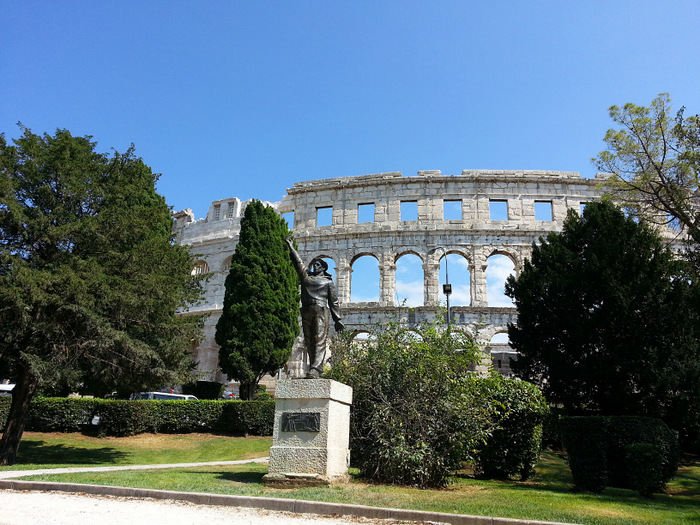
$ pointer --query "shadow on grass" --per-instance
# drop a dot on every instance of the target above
(240, 477)
(39, 453)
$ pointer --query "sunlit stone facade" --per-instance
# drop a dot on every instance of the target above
(476, 236)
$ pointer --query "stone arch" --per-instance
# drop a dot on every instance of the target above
(200, 267)
(409, 279)
(365, 283)
(226, 265)
(455, 263)
(514, 256)
(499, 265)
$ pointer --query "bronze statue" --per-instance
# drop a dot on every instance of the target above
(319, 302)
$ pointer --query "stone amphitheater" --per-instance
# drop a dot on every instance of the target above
(387, 216)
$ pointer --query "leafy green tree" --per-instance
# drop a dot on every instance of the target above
(260, 318)
(417, 410)
(655, 161)
(90, 279)
(603, 320)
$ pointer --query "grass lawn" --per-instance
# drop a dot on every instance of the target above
(547, 496)
(53, 450)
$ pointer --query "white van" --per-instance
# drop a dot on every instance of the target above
(163, 396)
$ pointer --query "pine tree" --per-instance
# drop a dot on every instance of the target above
(90, 280)
(260, 318)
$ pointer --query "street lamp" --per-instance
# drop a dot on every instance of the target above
(447, 287)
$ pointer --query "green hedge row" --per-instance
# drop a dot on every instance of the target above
(641, 453)
(111, 417)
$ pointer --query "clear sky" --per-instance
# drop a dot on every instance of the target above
(243, 98)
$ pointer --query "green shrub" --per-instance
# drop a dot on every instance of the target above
(60, 414)
(644, 467)
(119, 417)
(5, 402)
(551, 433)
(416, 411)
(599, 453)
(628, 430)
(514, 447)
(585, 444)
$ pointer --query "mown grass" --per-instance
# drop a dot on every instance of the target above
(547, 496)
(54, 450)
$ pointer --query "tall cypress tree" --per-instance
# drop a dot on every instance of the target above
(260, 319)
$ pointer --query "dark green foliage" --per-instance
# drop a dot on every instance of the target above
(644, 470)
(416, 411)
(626, 430)
(599, 452)
(127, 418)
(598, 320)
(204, 389)
(584, 440)
(90, 279)
(260, 317)
(551, 431)
(61, 414)
(515, 445)
(4, 410)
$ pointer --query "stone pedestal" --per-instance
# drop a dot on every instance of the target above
(311, 434)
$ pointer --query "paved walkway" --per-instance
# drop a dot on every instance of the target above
(250, 509)
(13, 474)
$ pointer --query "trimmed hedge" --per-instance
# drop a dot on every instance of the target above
(116, 417)
(644, 467)
(514, 447)
(628, 430)
(585, 444)
(601, 453)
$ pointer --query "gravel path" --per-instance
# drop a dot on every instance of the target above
(58, 508)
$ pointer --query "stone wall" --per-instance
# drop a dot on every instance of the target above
(429, 236)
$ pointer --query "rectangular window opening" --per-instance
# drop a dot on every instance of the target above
(365, 212)
(409, 210)
(543, 210)
(289, 217)
(217, 212)
(452, 210)
(498, 210)
(324, 216)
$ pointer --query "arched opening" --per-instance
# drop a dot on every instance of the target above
(409, 281)
(454, 269)
(364, 281)
(200, 267)
(498, 268)
(502, 355)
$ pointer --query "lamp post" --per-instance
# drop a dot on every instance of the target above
(447, 287)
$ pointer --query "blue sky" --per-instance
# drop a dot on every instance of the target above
(242, 99)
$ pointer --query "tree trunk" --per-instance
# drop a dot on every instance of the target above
(246, 391)
(22, 396)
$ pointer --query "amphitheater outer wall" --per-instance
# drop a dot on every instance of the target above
(429, 236)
